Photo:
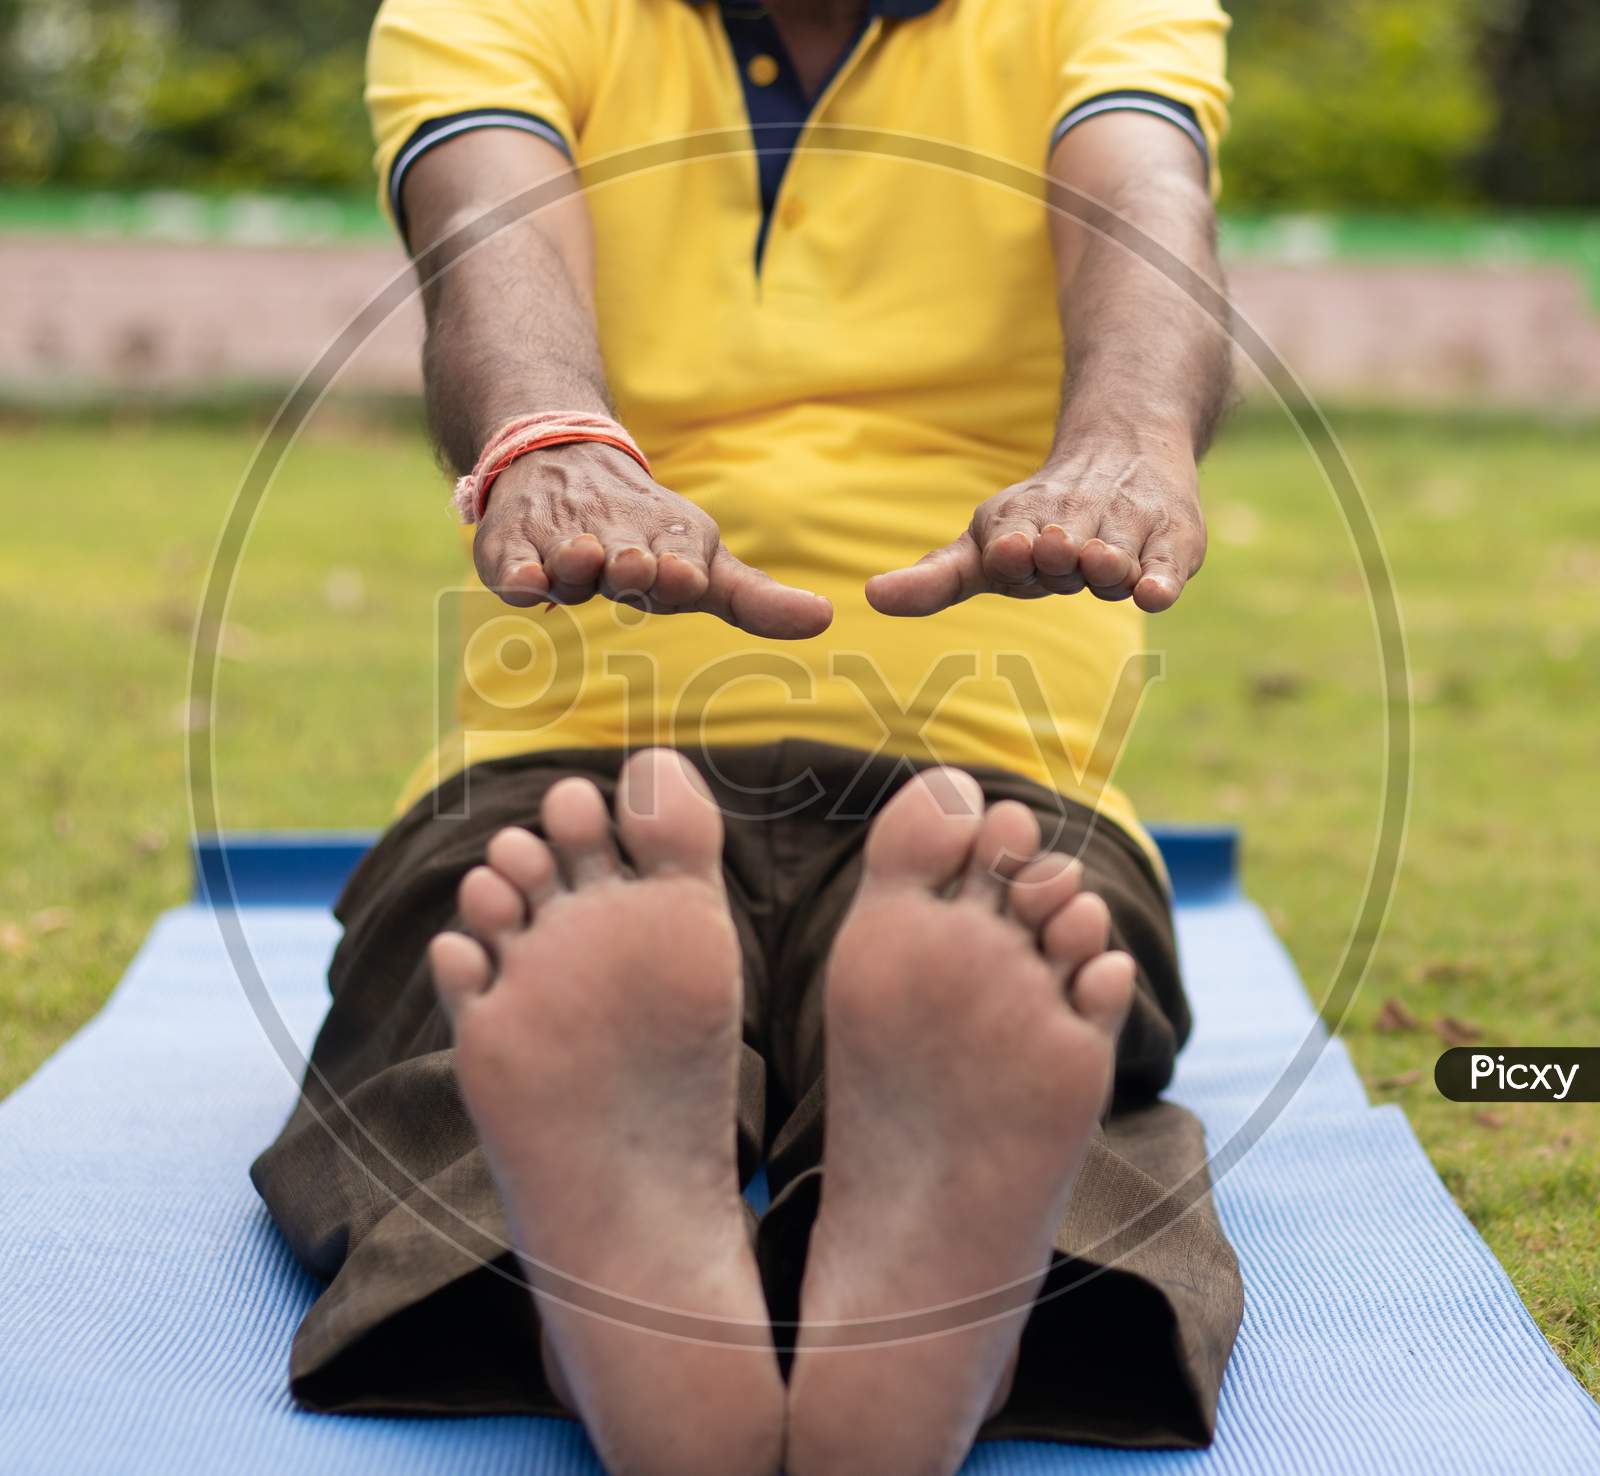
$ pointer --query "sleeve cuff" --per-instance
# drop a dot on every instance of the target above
(1129, 100)
(437, 130)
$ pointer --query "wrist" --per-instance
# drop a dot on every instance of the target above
(527, 434)
(572, 463)
(1141, 433)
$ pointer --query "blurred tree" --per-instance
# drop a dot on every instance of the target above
(1544, 59)
(1367, 102)
(183, 92)
(1375, 103)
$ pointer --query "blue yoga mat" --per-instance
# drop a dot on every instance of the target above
(146, 1303)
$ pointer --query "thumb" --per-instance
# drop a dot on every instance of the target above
(756, 602)
(944, 577)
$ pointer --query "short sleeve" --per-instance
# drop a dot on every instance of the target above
(1167, 58)
(439, 68)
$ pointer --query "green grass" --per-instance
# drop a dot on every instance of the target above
(1269, 716)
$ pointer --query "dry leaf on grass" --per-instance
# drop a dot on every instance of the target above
(49, 920)
(173, 616)
(1394, 1017)
(1444, 971)
(1276, 686)
(1398, 1080)
(1456, 1032)
(150, 840)
(1557, 1147)
(14, 940)
(1494, 1121)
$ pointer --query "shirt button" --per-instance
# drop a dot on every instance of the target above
(793, 212)
(762, 70)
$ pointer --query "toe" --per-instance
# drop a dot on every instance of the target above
(1077, 932)
(666, 816)
(489, 904)
(579, 828)
(1043, 887)
(1007, 840)
(461, 970)
(527, 863)
(1102, 990)
(925, 833)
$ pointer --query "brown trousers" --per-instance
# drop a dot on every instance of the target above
(381, 1188)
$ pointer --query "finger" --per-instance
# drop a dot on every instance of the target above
(574, 567)
(1008, 550)
(944, 577)
(1058, 551)
(1108, 567)
(630, 567)
(576, 561)
(681, 574)
(1055, 553)
(509, 564)
(757, 603)
(1165, 566)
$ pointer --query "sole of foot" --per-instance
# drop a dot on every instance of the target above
(596, 1012)
(972, 1010)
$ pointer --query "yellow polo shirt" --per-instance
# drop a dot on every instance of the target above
(838, 344)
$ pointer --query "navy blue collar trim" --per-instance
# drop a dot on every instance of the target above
(774, 99)
(897, 9)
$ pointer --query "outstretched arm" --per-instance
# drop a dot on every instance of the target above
(510, 331)
(1114, 509)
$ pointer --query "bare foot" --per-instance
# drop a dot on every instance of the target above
(972, 1012)
(596, 1017)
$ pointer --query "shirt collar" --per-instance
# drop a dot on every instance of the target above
(899, 9)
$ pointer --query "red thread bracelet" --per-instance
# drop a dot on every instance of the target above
(535, 433)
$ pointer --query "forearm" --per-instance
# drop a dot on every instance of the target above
(511, 331)
(1146, 360)
(510, 316)
(1115, 507)
(507, 335)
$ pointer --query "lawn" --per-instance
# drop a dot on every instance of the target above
(1269, 716)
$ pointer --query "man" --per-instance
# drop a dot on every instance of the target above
(806, 319)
